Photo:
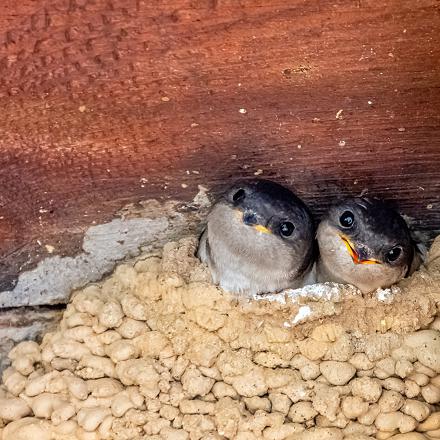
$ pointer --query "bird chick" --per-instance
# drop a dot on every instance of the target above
(365, 243)
(259, 238)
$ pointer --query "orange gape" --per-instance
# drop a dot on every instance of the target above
(354, 255)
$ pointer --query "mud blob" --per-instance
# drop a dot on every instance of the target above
(156, 351)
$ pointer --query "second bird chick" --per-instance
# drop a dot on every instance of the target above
(365, 243)
(259, 239)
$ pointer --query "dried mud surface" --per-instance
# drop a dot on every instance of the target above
(155, 351)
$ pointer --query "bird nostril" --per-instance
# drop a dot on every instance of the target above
(249, 218)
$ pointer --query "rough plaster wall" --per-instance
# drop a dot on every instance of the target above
(55, 277)
(141, 227)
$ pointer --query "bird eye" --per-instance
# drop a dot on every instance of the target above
(239, 195)
(393, 254)
(286, 229)
(346, 219)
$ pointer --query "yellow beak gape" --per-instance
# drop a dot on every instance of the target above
(262, 229)
(354, 255)
(239, 214)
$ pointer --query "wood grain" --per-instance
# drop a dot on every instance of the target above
(106, 102)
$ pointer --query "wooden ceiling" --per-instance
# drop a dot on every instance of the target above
(107, 102)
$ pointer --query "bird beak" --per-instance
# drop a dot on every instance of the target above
(356, 257)
(257, 227)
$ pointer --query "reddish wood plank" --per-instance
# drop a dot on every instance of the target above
(108, 102)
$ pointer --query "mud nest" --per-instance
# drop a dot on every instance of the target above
(156, 351)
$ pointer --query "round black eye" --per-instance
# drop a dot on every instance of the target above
(286, 229)
(239, 195)
(346, 219)
(393, 254)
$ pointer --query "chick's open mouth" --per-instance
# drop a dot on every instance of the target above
(354, 253)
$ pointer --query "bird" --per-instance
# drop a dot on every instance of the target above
(364, 242)
(259, 238)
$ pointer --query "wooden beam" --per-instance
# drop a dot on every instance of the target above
(108, 102)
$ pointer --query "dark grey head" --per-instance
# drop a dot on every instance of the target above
(372, 232)
(259, 238)
(271, 208)
(365, 243)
